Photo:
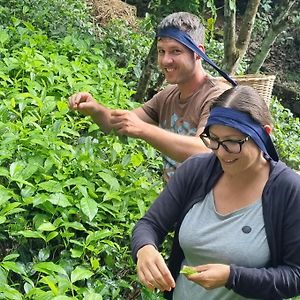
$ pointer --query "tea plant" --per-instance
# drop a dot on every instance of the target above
(286, 134)
(69, 194)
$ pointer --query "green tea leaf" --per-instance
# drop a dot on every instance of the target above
(59, 199)
(80, 273)
(49, 268)
(186, 270)
(89, 207)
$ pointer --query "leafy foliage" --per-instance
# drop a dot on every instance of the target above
(128, 47)
(69, 195)
(56, 18)
(286, 134)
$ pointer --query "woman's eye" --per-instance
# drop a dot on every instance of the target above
(214, 139)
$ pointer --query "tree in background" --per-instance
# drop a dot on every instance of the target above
(236, 44)
(286, 15)
(236, 41)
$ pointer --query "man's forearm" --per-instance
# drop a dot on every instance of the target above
(176, 146)
(101, 117)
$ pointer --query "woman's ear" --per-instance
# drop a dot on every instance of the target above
(268, 129)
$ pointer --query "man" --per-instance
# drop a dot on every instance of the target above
(174, 118)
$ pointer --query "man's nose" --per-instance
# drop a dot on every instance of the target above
(166, 59)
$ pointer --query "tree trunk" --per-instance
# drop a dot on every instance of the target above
(235, 46)
(144, 81)
(279, 24)
(230, 52)
(245, 31)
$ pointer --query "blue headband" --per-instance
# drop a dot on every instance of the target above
(245, 124)
(183, 38)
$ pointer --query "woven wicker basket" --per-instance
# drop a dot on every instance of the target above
(262, 83)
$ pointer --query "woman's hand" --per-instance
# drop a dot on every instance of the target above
(211, 276)
(152, 269)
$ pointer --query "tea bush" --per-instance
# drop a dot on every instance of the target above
(286, 134)
(69, 195)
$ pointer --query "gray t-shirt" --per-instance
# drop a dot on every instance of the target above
(206, 236)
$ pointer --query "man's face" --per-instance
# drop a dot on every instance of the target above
(176, 61)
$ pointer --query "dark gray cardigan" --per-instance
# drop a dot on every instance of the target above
(281, 211)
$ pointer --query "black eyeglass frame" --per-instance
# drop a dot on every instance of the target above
(240, 142)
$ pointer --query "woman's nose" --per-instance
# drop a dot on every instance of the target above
(221, 151)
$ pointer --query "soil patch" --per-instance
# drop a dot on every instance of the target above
(104, 11)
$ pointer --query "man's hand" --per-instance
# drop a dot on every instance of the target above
(126, 122)
(84, 103)
(211, 276)
(152, 269)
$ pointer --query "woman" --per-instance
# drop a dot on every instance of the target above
(236, 213)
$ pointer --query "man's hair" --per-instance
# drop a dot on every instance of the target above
(246, 99)
(186, 22)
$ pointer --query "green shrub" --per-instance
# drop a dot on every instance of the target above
(286, 134)
(57, 18)
(69, 195)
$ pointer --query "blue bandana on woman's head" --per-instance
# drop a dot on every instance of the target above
(183, 38)
(245, 124)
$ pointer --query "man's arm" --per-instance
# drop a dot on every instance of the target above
(138, 124)
(176, 146)
(88, 106)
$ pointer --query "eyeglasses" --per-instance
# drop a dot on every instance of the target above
(231, 146)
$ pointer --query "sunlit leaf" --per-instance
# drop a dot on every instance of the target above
(80, 273)
(59, 199)
(49, 268)
(46, 226)
(112, 181)
(89, 207)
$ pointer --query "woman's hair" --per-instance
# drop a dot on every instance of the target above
(186, 22)
(246, 99)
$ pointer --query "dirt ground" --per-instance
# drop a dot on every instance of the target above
(105, 10)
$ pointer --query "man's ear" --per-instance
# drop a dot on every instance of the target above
(268, 129)
(201, 47)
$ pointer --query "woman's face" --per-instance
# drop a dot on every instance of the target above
(234, 163)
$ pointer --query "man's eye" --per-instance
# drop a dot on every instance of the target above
(176, 52)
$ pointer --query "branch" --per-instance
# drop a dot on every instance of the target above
(245, 32)
(279, 24)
